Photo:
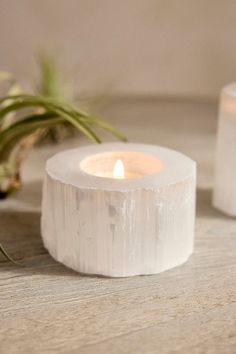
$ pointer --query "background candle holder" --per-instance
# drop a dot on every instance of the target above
(141, 224)
(224, 194)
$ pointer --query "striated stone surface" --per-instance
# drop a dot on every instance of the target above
(224, 196)
(119, 227)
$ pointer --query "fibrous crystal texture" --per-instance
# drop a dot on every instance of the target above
(119, 228)
(224, 195)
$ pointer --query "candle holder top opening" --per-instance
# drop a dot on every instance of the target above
(146, 166)
(135, 164)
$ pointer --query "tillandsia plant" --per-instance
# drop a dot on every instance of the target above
(52, 84)
(18, 135)
(26, 118)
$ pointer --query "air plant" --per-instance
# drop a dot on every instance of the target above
(26, 118)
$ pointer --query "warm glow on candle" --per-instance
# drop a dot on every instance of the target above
(119, 170)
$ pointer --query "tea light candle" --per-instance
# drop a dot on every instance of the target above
(119, 209)
(224, 194)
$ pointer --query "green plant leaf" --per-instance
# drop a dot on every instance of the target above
(50, 85)
(16, 106)
(105, 125)
(11, 136)
(13, 90)
(77, 122)
(8, 257)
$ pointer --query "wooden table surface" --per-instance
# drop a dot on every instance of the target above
(47, 308)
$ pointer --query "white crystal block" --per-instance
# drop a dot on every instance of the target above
(97, 224)
(224, 195)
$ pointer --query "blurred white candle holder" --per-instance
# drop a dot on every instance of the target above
(224, 194)
(140, 221)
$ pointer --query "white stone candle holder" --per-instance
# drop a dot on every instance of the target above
(224, 194)
(140, 224)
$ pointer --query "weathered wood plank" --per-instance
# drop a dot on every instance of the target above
(47, 308)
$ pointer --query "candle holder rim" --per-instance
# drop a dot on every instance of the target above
(229, 89)
(79, 179)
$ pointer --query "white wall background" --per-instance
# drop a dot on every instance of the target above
(180, 47)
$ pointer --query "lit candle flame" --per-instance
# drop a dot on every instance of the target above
(119, 170)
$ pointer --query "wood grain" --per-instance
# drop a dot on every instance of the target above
(47, 308)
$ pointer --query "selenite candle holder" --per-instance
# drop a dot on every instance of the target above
(224, 193)
(139, 220)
